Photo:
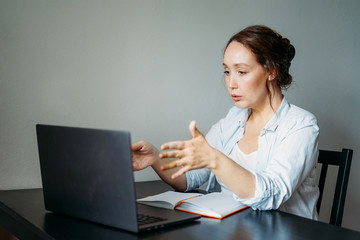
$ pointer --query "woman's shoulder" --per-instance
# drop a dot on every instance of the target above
(294, 118)
(300, 114)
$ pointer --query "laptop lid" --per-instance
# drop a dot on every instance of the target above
(87, 173)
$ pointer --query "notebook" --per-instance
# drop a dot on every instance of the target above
(87, 174)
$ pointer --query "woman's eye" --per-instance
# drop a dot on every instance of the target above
(242, 73)
(226, 72)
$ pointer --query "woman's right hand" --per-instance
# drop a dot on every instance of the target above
(144, 154)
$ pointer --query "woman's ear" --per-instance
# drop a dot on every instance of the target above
(272, 75)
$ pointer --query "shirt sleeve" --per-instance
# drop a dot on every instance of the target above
(196, 178)
(291, 162)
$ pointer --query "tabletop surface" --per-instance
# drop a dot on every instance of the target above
(22, 212)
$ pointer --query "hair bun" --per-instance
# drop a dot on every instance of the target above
(291, 53)
(289, 48)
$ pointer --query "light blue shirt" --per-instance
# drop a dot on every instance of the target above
(285, 169)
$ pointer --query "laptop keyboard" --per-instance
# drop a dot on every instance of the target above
(146, 219)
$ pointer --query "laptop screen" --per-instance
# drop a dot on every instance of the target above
(87, 173)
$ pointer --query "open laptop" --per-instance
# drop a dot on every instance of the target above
(87, 173)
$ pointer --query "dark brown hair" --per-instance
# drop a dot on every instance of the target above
(271, 50)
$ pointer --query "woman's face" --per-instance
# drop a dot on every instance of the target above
(245, 78)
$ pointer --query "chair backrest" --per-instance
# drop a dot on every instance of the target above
(343, 160)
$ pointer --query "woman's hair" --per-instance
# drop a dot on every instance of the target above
(271, 50)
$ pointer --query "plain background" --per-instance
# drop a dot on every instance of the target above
(151, 66)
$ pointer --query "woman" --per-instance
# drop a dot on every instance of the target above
(264, 151)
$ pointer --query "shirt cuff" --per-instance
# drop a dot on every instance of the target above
(263, 192)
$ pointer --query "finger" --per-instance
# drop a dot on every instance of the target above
(171, 154)
(179, 145)
(181, 171)
(193, 130)
(137, 146)
(173, 164)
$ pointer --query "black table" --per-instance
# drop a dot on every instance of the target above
(22, 213)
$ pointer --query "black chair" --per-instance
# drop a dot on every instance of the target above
(343, 160)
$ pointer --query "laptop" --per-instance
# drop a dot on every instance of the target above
(87, 174)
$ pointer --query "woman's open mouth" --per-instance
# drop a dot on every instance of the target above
(235, 97)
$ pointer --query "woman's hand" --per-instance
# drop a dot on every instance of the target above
(144, 154)
(192, 154)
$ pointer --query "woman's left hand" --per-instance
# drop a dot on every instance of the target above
(191, 154)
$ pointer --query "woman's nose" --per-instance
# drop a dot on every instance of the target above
(232, 82)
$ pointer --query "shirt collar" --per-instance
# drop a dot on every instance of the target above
(274, 121)
(244, 118)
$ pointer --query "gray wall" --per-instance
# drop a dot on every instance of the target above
(152, 66)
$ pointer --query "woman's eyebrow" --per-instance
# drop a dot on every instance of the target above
(238, 65)
(241, 65)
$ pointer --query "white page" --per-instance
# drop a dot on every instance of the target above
(167, 199)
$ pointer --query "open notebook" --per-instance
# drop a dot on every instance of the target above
(215, 205)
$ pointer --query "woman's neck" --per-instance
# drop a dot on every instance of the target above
(264, 112)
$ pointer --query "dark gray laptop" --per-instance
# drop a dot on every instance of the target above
(87, 173)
